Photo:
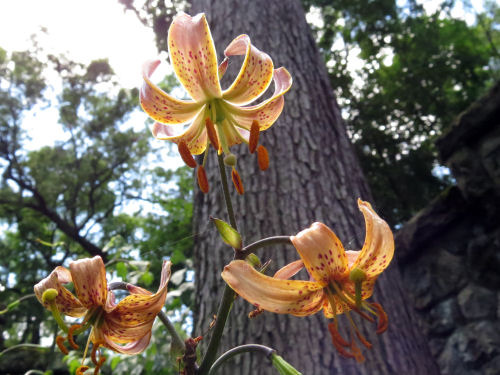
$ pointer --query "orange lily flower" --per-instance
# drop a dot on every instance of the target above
(123, 327)
(220, 117)
(341, 280)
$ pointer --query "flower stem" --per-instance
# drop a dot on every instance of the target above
(238, 350)
(228, 294)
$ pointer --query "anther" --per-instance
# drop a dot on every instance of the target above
(99, 365)
(71, 331)
(383, 320)
(186, 154)
(81, 370)
(336, 335)
(254, 136)
(358, 356)
(93, 353)
(202, 179)
(262, 158)
(212, 134)
(60, 344)
(238, 184)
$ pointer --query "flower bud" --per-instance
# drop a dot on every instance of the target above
(283, 367)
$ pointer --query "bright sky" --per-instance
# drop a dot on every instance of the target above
(88, 30)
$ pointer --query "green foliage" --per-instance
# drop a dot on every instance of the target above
(68, 199)
(417, 72)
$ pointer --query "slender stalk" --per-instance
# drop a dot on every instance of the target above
(276, 240)
(239, 350)
(228, 295)
(177, 341)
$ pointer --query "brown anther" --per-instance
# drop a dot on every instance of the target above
(212, 134)
(81, 370)
(93, 353)
(202, 179)
(99, 365)
(340, 347)
(198, 339)
(255, 313)
(363, 339)
(60, 344)
(238, 184)
(186, 154)
(356, 351)
(383, 320)
(71, 331)
(262, 158)
(254, 136)
(336, 335)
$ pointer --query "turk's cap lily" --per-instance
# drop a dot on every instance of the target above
(326, 261)
(194, 60)
(127, 322)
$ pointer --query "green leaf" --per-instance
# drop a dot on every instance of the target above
(147, 278)
(121, 270)
(228, 234)
(114, 362)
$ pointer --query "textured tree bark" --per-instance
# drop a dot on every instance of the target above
(314, 176)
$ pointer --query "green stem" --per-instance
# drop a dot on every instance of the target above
(228, 295)
(238, 350)
(177, 342)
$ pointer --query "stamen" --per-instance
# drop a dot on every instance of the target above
(99, 365)
(254, 136)
(87, 346)
(212, 134)
(93, 353)
(238, 184)
(356, 351)
(360, 336)
(383, 320)
(262, 158)
(202, 179)
(186, 154)
(338, 342)
(81, 370)
(71, 332)
(60, 344)
(349, 300)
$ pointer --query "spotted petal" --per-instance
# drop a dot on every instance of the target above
(161, 106)
(378, 248)
(195, 135)
(299, 298)
(66, 302)
(134, 347)
(322, 253)
(89, 279)
(133, 316)
(266, 112)
(192, 53)
(255, 74)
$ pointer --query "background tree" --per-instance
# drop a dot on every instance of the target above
(326, 178)
(416, 72)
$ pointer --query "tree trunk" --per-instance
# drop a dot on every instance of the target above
(314, 176)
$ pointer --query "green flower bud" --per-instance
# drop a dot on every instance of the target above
(283, 367)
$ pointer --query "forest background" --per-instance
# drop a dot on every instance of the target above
(401, 73)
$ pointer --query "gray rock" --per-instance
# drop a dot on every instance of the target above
(444, 317)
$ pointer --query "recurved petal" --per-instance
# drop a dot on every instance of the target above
(322, 253)
(66, 302)
(193, 56)
(299, 298)
(133, 316)
(266, 112)
(89, 279)
(195, 135)
(134, 347)
(255, 74)
(159, 105)
(290, 270)
(378, 248)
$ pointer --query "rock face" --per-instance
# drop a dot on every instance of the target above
(449, 253)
